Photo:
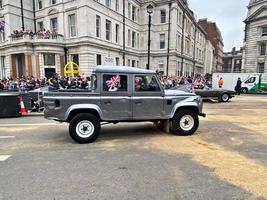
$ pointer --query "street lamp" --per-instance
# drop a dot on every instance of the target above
(149, 11)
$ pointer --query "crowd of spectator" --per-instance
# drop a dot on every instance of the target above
(175, 81)
(83, 82)
(42, 34)
(56, 82)
(21, 84)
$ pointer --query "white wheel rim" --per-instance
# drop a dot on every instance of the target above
(225, 97)
(85, 129)
(187, 122)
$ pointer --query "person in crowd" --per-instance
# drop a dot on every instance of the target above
(238, 86)
(220, 82)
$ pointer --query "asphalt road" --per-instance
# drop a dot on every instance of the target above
(226, 159)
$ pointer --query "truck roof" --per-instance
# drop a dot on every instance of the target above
(122, 69)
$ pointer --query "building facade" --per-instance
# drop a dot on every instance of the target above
(232, 61)
(215, 37)
(210, 61)
(255, 42)
(40, 36)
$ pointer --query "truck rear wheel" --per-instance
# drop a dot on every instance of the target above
(84, 128)
(185, 122)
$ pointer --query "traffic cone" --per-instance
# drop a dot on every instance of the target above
(23, 110)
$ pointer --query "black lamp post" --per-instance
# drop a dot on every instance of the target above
(22, 15)
(149, 11)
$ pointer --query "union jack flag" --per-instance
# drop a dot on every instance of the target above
(2, 26)
(113, 82)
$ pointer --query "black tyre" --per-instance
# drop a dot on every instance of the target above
(244, 90)
(224, 97)
(84, 128)
(185, 122)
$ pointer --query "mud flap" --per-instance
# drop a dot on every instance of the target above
(164, 125)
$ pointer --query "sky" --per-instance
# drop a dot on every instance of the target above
(229, 16)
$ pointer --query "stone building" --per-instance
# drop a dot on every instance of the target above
(90, 32)
(254, 55)
(232, 61)
(215, 37)
(210, 59)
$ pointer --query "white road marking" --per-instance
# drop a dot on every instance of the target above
(39, 124)
(6, 137)
(4, 157)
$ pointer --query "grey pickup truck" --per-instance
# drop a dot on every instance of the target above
(123, 94)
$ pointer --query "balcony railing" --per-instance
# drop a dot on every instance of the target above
(38, 37)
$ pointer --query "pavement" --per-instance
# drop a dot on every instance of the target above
(225, 159)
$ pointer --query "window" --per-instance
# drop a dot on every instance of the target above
(2, 30)
(133, 13)
(75, 58)
(117, 33)
(53, 2)
(264, 31)
(133, 63)
(163, 16)
(115, 83)
(252, 79)
(98, 25)
(98, 59)
(129, 62)
(162, 41)
(129, 10)
(146, 83)
(2, 67)
(180, 18)
(1, 3)
(53, 24)
(117, 61)
(72, 25)
(263, 49)
(2, 36)
(108, 3)
(117, 5)
(49, 59)
(179, 42)
(260, 68)
(40, 4)
(133, 39)
(108, 30)
(137, 45)
(129, 37)
(40, 26)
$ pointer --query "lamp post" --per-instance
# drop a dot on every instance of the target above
(149, 11)
(22, 15)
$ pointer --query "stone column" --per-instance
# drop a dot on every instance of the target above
(62, 64)
(28, 65)
(38, 74)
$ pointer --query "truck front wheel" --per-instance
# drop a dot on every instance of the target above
(244, 90)
(185, 122)
(84, 128)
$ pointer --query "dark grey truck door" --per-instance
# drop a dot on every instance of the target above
(147, 98)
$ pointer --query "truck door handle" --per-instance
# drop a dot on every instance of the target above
(138, 102)
(107, 102)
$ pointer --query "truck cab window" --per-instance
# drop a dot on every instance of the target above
(115, 83)
(146, 83)
(251, 80)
